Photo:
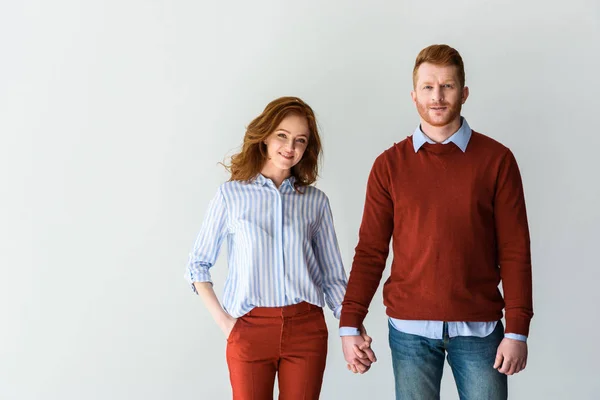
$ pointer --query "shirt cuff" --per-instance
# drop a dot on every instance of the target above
(349, 331)
(197, 273)
(515, 336)
(338, 311)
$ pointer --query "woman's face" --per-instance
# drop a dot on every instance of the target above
(286, 145)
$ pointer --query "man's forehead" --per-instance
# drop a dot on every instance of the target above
(437, 72)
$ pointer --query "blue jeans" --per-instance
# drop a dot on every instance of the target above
(419, 362)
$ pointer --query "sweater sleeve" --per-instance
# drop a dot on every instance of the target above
(373, 246)
(514, 256)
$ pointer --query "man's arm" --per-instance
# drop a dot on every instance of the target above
(373, 246)
(369, 260)
(514, 258)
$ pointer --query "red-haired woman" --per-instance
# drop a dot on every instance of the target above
(284, 261)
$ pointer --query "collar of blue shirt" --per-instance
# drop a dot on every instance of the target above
(460, 138)
(262, 180)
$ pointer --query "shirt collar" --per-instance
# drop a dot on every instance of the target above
(460, 138)
(262, 180)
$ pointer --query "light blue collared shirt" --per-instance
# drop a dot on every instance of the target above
(282, 246)
(434, 329)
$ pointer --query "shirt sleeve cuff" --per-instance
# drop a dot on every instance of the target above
(349, 331)
(338, 311)
(515, 336)
(197, 273)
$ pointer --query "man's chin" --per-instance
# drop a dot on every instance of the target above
(440, 122)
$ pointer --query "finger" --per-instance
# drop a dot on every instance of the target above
(362, 361)
(371, 355)
(367, 338)
(513, 368)
(360, 368)
(359, 353)
(358, 361)
(506, 364)
(518, 367)
(498, 360)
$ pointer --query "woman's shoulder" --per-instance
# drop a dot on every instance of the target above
(314, 192)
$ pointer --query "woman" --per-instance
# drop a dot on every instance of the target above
(284, 261)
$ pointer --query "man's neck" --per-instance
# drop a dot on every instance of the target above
(440, 133)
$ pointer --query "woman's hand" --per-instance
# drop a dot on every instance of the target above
(226, 324)
(223, 320)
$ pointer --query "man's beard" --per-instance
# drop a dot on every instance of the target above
(451, 113)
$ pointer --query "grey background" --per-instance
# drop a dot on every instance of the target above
(114, 114)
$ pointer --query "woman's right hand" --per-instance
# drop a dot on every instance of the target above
(223, 320)
(227, 325)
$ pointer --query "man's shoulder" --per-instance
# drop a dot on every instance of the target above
(487, 142)
(396, 151)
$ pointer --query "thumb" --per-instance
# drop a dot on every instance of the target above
(498, 361)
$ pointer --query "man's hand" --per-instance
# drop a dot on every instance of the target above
(511, 356)
(358, 352)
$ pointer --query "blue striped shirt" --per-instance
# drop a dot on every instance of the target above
(282, 246)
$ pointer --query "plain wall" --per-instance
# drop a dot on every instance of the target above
(114, 115)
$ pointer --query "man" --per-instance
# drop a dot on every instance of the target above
(451, 200)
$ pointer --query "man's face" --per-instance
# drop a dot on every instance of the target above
(438, 95)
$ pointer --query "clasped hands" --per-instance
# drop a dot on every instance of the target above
(358, 352)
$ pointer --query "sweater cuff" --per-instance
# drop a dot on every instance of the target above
(518, 326)
(348, 319)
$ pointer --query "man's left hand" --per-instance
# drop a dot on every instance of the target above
(511, 356)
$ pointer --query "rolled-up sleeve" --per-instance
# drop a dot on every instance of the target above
(208, 243)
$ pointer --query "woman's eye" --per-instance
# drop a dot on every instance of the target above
(281, 135)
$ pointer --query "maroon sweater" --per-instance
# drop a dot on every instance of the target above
(458, 227)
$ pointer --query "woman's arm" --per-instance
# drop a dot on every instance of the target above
(208, 296)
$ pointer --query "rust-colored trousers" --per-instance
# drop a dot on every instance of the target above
(290, 342)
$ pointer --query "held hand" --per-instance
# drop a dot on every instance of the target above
(358, 352)
(511, 356)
